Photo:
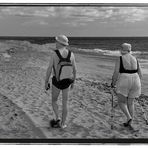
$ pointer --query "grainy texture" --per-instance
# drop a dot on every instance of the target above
(89, 105)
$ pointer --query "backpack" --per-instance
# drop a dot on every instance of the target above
(64, 67)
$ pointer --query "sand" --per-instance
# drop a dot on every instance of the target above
(14, 123)
(89, 105)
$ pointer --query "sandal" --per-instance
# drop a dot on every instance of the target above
(63, 126)
(127, 123)
(55, 123)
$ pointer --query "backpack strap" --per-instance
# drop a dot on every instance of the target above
(69, 56)
(58, 54)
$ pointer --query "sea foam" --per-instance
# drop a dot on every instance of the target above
(139, 54)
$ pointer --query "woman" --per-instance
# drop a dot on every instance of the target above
(126, 77)
(61, 81)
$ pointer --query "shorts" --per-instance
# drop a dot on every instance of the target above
(63, 84)
(129, 85)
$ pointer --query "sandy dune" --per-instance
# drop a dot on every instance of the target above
(22, 82)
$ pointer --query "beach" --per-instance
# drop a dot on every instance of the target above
(22, 78)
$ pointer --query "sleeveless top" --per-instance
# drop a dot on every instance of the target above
(123, 70)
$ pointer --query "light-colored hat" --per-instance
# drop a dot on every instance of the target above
(126, 48)
(62, 39)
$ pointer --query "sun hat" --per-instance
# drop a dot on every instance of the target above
(62, 39)
(126, 48)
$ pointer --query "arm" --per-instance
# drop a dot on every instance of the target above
(116, 72)
(139, 70)
(48, 73)
(74, 69)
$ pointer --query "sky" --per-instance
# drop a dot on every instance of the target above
(89, 21)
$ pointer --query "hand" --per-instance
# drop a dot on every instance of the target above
(112, 85)
(47, 86)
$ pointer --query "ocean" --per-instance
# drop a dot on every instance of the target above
(111, 45)
(100, 45)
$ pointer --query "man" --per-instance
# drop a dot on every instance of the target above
(64, 74)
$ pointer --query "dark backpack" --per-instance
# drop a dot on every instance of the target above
(64, 67)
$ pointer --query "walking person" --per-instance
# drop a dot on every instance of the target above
(64, 74)
(127, 79)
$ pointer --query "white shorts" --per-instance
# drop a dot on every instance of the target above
(129, 85)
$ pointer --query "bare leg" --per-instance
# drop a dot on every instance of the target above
(64, 105)
(55, 94)
(130, 105)
(123, 105)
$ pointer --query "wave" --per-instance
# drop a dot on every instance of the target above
(113, 52)
(100, 51)
(107, 52)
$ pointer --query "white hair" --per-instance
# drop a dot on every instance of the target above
(126, 47)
